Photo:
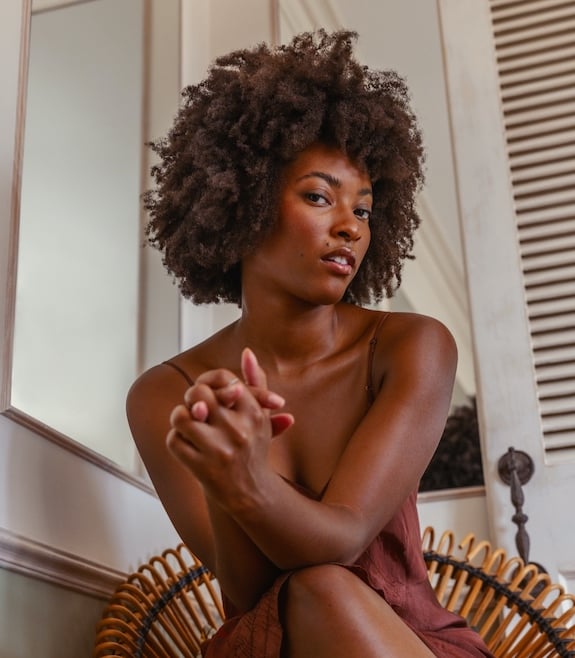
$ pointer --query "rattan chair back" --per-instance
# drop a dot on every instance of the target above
(172, 603)
(164, 610)
(514, 606)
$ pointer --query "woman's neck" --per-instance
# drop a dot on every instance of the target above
(288, 335)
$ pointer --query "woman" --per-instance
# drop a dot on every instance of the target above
(287, 448)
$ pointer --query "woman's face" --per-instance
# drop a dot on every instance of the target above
(322, 231)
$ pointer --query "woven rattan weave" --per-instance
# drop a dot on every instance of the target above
(171, 604)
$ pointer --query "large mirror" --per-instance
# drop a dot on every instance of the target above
(87, 313)
(78, 340)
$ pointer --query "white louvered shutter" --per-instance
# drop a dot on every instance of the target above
(535, 49)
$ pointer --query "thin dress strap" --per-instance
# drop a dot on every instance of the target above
(372, 344)
(180, 370)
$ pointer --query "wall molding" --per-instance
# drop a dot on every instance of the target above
(42, 562)
(50, 5)
(138, 479)
(567, 576)
(451, 494)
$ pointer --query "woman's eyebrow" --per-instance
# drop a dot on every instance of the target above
(333, 181)
(328, 178)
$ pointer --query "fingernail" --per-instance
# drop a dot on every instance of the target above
(276, 400)
(250, 353)
(198, 411)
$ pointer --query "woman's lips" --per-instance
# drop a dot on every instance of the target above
(341, 261)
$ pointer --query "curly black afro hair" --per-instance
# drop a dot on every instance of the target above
(218, 177)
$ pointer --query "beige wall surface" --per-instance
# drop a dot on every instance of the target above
(52, 498)
(64, 518)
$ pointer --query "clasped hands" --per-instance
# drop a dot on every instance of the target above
(223, 429)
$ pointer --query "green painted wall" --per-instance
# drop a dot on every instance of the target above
(41, 620)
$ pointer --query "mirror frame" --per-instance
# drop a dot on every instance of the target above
(11, 225)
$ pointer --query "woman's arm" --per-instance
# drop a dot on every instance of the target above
(149, 405)
(243, 571)
(380, 466)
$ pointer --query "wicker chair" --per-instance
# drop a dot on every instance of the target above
(171, 604)
(515, 607)
(165, 609)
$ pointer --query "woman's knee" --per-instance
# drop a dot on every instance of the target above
(321, 584)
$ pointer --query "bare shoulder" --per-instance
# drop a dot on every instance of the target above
(165, 383)
(415, 327)
(417, 345)
(154, 388)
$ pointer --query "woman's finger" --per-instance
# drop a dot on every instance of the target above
(218, 378)
(228, 395)
(199, 411)
(280, 423)
(180, 414)
(268, 399)
(186, 451)
(253, 373)
(200, 392)
(223, 384)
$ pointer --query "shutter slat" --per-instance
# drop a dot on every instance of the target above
(550, 277)
(556, 357)
(552, 340)
(562, 125)
(564, 152)
(561, 371)
(506, 9)
(523, 49)
(557, 441)
(563, 322)
(551, 32)
(541, 142)
(544, 215)
(557, 396)
(550, 244)
(548, 262)
(549, 170)
(546, 230)
(545, 113)
(563, 422)
(533, 22)
(554, 69)
(560, 198)
(531, 63)
(539, 88)
(536, 186)
(562, 308)
(548, 97)
(560, 298)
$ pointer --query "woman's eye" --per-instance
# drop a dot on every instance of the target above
(363, 213)
(316, 197)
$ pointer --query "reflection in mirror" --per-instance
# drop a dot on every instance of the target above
(404, 35)
(75, 332)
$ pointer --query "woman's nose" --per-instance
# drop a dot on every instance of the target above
(347, 226)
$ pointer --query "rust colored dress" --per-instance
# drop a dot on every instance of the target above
(394, 567)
